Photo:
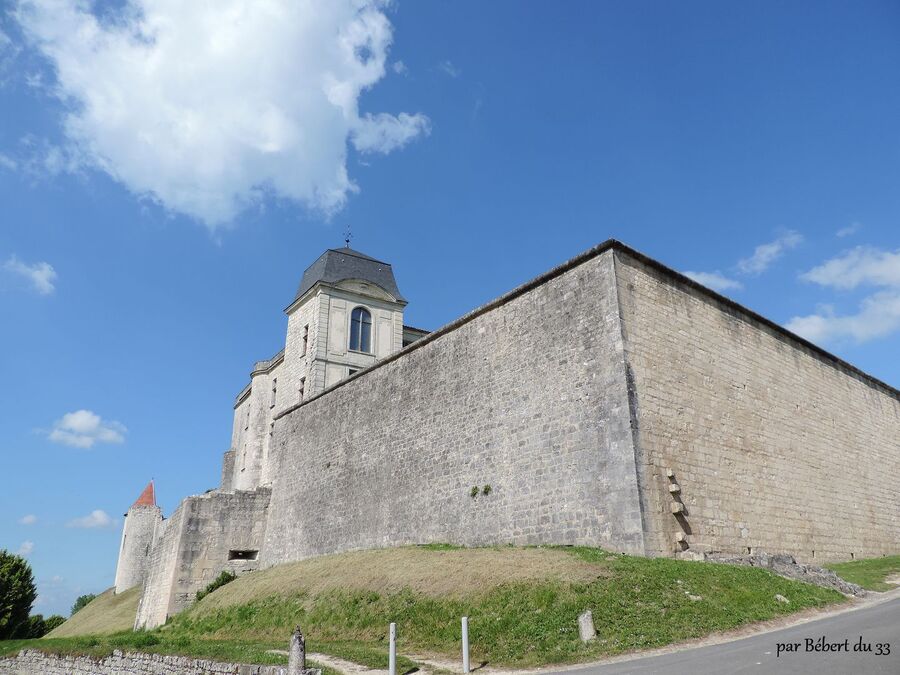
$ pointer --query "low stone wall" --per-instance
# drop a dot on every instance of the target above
(33, 662)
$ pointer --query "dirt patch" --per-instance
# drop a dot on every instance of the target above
(453, 573)
(893, 579)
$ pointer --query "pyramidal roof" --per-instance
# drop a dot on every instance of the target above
(148, 496)
(337, 264)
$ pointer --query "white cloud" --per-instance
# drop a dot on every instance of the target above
(765, 254)
(26, 548)
(878, 314)
(83, 428)
(208, 107)
(8, 162)
(40, 274)
(383, 133)
(863, 265)
(715, 280)
(29, 519)
(853, 228)
(448, 68)
(400, 68)
(95, 519)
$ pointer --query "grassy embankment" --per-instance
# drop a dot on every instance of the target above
(872, 573)
(523, 605)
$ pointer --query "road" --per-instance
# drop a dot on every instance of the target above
(876, 624)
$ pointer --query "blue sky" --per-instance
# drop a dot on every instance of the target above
(162, 190)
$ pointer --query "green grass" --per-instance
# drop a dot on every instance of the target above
(870, 573)
(637, 603)
(107, 613)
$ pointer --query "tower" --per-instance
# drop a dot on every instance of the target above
(137, 537)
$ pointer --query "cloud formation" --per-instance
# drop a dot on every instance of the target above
(30, 519)
(852, 228)
(83, 428)
(25, 548)
(40, 275)
(714, 280)
(765, 254)
(208, 107)
(94, 520)
(878, 314)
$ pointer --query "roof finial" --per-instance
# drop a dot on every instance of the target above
(348, 235)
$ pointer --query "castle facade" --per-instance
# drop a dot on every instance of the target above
(610, 402)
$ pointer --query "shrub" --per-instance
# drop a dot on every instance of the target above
(81, 602)
(224, 578)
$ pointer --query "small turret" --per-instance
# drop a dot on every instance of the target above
(137, 538)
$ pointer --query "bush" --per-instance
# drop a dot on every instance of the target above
(81, 602)
(17, 594)
(218, 582)
(54, 622)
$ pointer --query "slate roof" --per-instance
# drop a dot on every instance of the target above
(338, 264)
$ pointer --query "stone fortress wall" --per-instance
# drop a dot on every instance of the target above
(610, 402)
(775, 445)
(138, 534)
(528, 397)
(206, 535)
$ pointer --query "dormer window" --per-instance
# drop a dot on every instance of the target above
(361, 330)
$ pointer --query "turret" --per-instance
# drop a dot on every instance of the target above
(137, 538)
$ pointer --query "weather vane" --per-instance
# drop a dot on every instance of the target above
(348, 235)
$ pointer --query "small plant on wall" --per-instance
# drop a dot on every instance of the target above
(486, 490)
(473, 492)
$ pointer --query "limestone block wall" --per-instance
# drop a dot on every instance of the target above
(252, 420)
(775, 445)
(198, 544)
(134, 552)
(34, 662)
(153, 606)
(299, 354)
(527, 395)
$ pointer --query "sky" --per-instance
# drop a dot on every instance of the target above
(168, 171)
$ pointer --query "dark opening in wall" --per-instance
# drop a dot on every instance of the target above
(243, 555)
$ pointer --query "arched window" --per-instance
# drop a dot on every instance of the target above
(361, 330)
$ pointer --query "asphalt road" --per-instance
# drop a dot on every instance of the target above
(874, 625)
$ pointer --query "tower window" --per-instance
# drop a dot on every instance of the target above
(305, 342)
(274, 391)
(302, 387)
(361, 330)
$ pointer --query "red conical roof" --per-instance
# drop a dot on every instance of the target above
(148, 496)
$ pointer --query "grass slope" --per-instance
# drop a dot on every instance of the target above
(523, 605)
(105, 614)
(870, 573)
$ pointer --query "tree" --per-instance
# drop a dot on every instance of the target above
(17, 594)
(34, 628)
(54, 622)
(81, 602)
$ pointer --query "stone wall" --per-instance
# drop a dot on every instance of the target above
(197, 545)
(527, 395)
(33, 662)
(137, 537)
(775, 445)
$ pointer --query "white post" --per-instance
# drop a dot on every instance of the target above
(465, 646)
(392, 654)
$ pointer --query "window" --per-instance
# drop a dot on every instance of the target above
(302, 387)
(305, 340)
(274, 391)
(361, 330)
(243, 555)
